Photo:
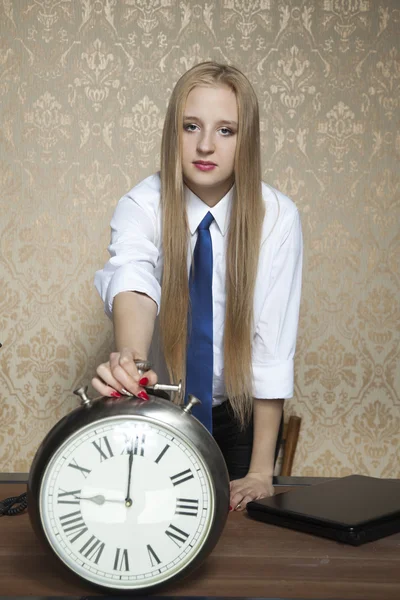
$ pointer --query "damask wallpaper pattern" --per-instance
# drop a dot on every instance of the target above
(83, 90)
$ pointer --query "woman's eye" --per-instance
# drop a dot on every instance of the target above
(190, 127)
(225, 131)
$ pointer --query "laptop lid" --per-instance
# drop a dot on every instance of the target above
(353, 509)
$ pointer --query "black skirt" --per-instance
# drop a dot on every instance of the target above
(236, 445)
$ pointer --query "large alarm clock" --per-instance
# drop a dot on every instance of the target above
(129, 494)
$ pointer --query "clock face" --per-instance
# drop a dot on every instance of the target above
(126, 503)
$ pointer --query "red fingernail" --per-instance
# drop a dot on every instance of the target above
(144, 381)
(230, 509)
(142, 394)
(116, 394)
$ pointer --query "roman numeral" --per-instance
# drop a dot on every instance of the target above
(92, 549)
(178, 536)
(138, 447)
(153, 556)
(135, 445)
(159, 457)
(74, 465)
(121, 562)
(63, 494)
(105, 452)
(182, 477)
(73, 524)
(187, 506)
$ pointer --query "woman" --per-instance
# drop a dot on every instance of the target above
(210, 171)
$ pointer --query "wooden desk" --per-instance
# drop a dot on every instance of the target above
(251, 559)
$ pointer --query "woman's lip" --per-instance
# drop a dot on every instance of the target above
(204, 166)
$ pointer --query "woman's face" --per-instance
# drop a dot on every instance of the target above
(209, 137)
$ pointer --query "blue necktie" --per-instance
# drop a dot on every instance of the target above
(200, 355)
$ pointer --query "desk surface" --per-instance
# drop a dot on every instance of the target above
(251, 560)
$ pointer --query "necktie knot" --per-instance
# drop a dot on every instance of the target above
(206, 222)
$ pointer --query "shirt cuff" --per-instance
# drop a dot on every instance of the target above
(274, 379)
(125, 280)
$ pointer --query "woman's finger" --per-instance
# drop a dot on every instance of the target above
(124, 371)
(242, 504)
(235, 499)
(105, 375)
(103, 389)
(148, 378)
(126, 360)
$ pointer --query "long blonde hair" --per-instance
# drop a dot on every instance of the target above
(244, 235)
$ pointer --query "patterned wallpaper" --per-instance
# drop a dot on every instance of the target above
(83, 91)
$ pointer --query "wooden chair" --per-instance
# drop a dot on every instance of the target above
(290, 437)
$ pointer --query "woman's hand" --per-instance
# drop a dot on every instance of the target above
(252, 487)
(120, 376)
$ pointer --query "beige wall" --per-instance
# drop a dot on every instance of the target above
(83, 91)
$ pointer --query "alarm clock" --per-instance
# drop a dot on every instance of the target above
(129, 494)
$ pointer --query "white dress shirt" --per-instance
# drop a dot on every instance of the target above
(136, 264)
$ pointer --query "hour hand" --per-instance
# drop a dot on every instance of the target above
(99, 499)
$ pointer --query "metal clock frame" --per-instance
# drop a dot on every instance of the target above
(157, 411)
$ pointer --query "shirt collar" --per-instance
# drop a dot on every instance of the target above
(197, 210)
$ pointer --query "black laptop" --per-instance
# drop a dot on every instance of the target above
(353, 510)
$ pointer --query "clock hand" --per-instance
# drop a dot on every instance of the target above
(99, 499)
(128, 499)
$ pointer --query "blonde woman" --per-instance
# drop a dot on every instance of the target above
(210, 171)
